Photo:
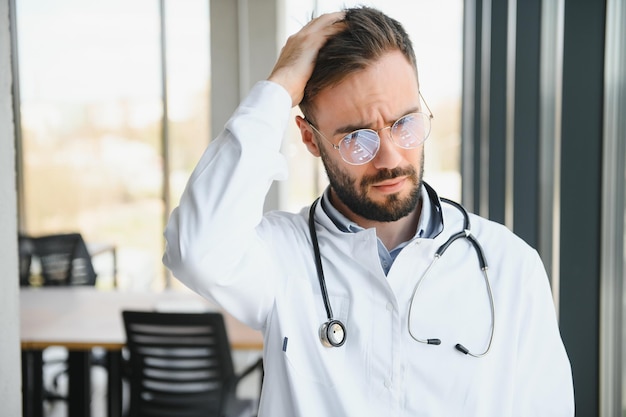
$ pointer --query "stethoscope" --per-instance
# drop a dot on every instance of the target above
(333, 332)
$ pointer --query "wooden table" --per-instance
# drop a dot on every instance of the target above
(81, 318)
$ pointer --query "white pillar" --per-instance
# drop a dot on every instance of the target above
(11, 376)
(244, 46)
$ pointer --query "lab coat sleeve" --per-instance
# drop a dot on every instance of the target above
(544, 384)
(214, 241)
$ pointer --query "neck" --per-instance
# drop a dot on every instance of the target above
(390, 233)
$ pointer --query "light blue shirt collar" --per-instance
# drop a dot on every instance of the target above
(430, 223)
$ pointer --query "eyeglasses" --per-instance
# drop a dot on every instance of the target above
(362, 145)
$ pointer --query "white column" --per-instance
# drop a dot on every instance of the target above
(10, 378)
(245, 37)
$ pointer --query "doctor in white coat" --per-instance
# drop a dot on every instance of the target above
(393, 316)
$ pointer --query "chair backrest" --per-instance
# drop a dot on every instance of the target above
(25, 249)
(180, 364)
(64, 259)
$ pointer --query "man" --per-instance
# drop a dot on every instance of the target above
(390, 331)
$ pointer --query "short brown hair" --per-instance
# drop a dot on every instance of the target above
(368, 35)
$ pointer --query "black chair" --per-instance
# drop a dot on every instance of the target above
(64, 259)
(180, 365)
(26, 249)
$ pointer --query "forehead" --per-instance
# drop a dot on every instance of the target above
(382, 92)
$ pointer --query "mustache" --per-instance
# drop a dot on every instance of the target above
(388, 174)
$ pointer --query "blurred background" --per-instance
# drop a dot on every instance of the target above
(114, 102)
(93, 77)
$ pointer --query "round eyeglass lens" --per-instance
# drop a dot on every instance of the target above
(359, 147)
(411, 130)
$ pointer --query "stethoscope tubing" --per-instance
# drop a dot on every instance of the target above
(318, 261)
(333, 332)
(465, 233)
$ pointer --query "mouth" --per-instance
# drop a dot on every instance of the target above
(391, 186)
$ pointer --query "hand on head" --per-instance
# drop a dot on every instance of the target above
(297, 58)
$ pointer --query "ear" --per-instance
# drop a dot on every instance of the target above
(308, 137)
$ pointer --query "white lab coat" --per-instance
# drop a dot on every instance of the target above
(261, 269)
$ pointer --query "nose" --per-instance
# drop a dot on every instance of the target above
(389, 154)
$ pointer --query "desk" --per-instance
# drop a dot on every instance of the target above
(81, 318)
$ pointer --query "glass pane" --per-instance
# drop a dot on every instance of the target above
(91, 117)
(188, 80)
(436, 29)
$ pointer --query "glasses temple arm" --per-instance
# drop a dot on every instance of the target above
(430, 113)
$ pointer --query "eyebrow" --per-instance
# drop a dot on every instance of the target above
(344, 130)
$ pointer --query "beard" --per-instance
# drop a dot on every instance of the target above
(355, 197)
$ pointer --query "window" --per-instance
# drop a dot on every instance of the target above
(92, 121)
(107, 148)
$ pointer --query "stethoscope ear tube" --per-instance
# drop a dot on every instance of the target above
(482, 261)
(465, 233)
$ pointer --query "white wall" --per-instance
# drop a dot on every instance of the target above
(10, 373)
(244, 46)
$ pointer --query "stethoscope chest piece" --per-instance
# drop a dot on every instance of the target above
(333, 333)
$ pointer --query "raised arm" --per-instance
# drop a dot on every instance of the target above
(216, 240)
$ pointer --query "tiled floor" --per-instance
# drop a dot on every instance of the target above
(248, 388)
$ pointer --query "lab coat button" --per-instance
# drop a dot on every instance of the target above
(389, 307)
(387, 383)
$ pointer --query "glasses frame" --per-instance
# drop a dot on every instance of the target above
(377, 132)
